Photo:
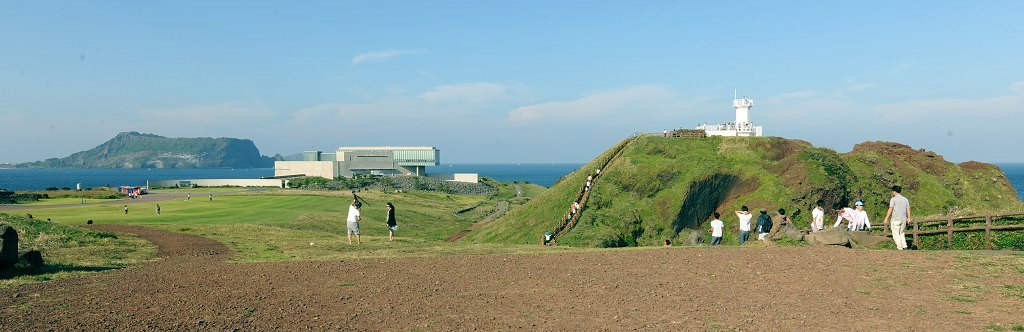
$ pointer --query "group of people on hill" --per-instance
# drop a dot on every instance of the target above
(355, 216)
(575, 207)
(856, 218)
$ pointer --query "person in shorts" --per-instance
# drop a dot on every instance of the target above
(764, 225)
(353, 221)
(392, 224)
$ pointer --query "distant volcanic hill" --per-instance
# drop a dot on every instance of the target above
(665, 188)
(136, 150)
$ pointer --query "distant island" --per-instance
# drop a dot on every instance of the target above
(138, 150)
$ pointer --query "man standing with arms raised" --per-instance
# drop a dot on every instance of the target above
(899, 210)
(353, 221)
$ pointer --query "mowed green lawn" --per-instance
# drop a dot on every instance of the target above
(67, 200)
(281, 225)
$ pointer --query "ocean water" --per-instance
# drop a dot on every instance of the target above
(38, 179)
(542, 174)
(1015, 172)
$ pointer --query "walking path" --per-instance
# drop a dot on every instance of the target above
(584, 195)
(502, 208)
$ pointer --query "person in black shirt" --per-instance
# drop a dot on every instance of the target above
(392, 224)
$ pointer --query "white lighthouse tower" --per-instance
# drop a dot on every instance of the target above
(742, 126)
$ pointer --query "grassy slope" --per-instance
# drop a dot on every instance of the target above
(71, 250)
(280, 225)
(639, 199)
(526, 224)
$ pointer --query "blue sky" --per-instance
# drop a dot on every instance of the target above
(515, 81)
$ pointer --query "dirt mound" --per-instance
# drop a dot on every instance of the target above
(928, 161)
(977, 166)
(776, 148)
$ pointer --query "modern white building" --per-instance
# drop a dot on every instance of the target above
(742, 126)
(369, 160)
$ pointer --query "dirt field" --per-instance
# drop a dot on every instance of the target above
(192, 287)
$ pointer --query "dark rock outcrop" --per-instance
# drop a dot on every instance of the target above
(8, 246)
(32, 258)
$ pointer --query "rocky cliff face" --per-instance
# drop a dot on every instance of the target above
(136, 150)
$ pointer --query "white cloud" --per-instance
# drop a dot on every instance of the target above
(425, 73)
(482, 101)
(628, 100)
(376, 56)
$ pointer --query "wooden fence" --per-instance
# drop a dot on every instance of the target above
(950, 227)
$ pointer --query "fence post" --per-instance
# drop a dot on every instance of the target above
(916, 244)
(988, 232)
(949, 232)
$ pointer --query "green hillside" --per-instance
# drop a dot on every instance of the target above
(665, 188)
(136, 150)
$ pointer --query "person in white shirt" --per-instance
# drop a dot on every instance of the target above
(744, 215)
(353, 221)
(849, 214)
(818, 217)
(863, 223)
(717, 228)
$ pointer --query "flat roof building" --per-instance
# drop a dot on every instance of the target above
(348, 161)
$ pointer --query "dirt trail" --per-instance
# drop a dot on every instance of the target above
(796, 288)
(170, 244)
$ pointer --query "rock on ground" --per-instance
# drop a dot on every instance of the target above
(865, 240)
(32, 257)
(8, 246)
(833, 236)
(786, 231)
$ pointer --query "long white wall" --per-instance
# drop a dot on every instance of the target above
(324, 169)
(278, 183)
(458, 177)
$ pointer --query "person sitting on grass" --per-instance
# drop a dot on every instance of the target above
(781, 219)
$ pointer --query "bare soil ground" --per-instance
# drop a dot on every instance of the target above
(191, 286)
